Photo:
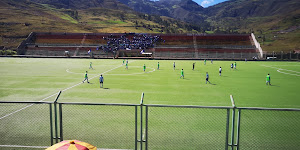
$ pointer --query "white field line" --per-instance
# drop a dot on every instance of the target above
(44, 147)
(68, 70)
(135, 73)
(56, 94)
(26, 107)
(278, 70)
(287, 73)
(23, 146)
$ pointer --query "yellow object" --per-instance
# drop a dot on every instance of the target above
(72, 145)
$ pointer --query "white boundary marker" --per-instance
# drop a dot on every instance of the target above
(279, 70)
(56, 93)
(232, 101)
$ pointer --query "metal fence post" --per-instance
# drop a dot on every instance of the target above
(141, 138)
(55, 117)
(55, 123)
(233, 122)
(60, 122)
(51, 124)
(136, 140)
(238, 129)
(146, 140)
(232, 129)
(227, 129)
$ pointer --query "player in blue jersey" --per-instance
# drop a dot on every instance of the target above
(193, 66)
(174, 65)
(206, 78)
(101, 79)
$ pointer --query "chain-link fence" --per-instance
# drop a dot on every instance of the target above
(25, 124)
(107, 126)
(187, 128)
(28, 125)
(264, 129)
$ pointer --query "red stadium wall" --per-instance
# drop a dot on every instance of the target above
(171, 43)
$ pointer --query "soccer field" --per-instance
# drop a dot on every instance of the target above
(106, 126)
(37, 79)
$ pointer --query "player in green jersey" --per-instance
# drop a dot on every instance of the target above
(234, 65)
(144, 67)
(91, 67)
(268, 79)
(157, 65)
(86, 77)
(182, 74)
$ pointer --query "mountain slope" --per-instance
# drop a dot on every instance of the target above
(185, 10)
(253, 8)
(20, 17)
(276, 21)
(84, 4)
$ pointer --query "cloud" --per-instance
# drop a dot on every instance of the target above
(205, 3)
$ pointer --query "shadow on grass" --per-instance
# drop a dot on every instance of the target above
(211, 83)
(185, 78)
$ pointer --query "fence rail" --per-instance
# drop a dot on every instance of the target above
(142, 126)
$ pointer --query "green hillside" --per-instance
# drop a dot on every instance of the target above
(275, 22)
(19, 18)
(276, 27)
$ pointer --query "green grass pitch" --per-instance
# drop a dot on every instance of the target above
(35, 79)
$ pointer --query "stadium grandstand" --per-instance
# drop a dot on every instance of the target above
(156, 46)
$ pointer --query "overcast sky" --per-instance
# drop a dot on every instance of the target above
(207, 3)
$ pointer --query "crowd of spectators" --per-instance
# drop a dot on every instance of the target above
(129, 41)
